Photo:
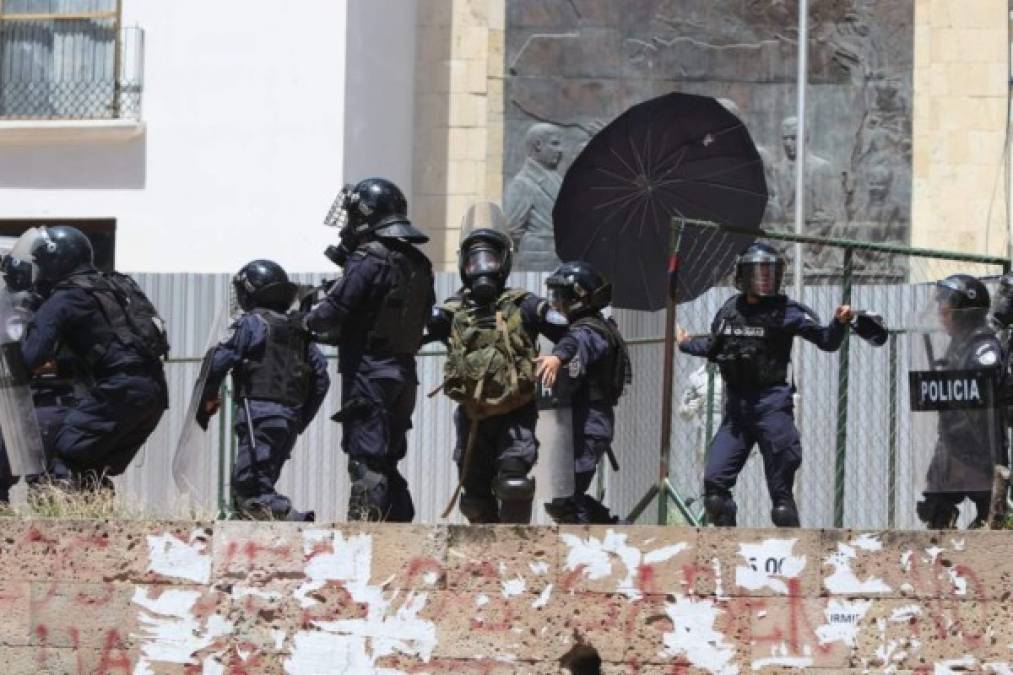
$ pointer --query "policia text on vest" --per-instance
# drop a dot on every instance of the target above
(933, 390)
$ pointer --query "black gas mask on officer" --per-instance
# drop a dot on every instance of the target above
(484, 262)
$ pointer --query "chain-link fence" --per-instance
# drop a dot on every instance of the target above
(62, 65)
(861, 462)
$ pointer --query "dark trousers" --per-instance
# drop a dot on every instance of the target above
(105, 429)
(774, 432)
(378, 415)
(508, 437)
(259, 463)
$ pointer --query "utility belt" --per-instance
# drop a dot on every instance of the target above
(742, 372)
(133, 370)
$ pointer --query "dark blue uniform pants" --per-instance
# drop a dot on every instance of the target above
(509, 437)
(378, 414)
(259, 464)
(110, 423)
(743, 426)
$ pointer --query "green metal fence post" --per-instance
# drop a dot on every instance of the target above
(842, 399)
(222, 426)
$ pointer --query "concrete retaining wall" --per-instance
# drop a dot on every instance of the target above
(233, 597)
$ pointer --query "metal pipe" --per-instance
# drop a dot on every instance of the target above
(802, 80)
(840, 463)
(891, 497)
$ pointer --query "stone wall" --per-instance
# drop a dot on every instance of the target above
(233, 597)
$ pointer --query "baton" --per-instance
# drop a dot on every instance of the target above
(249, 426)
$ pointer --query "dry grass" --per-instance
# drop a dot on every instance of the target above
(52, 501)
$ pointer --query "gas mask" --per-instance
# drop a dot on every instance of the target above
(482, 266)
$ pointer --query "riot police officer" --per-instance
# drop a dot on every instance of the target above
(598, 365)
(750, 340)
(377, 310)
(496, 328)
(970, 442)
(280, 379)
(110, 328)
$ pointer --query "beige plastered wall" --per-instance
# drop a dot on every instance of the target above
(959, 188)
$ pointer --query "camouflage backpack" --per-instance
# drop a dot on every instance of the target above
(490, 367)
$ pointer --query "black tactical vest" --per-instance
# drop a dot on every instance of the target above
(402, 314)
(281, 372)
(607, 378)
(752, 350)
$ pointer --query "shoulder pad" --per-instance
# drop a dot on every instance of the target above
(805, 309)
(375, 248)
(515, 295)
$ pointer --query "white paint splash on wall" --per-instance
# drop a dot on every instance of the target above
(171, 557)
(543, 598)
(512, 587)
(539, 568)
(595, 557)
(354, 645)
(954, 666)
(768, 564)
(843, 581)
(693, 634)
(843, 618)
(169, 630)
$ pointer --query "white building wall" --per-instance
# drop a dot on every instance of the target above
(244, 109)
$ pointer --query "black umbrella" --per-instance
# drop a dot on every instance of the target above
(675, 155)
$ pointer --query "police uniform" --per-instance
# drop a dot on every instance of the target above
(751, 344)
(594, 356)
(970, 441)
(379, 306)
(283, 378)
(109, 423)
(504, 444)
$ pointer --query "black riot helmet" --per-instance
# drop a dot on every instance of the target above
(484, 261)
(576, 289)
(964, 299)
(263, 283)
(1002, 308)
(373, 207)
(54, 252)
(17, 273)
(759, 270)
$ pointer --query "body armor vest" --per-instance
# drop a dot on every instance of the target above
(129, 316)
(282, 372)
(752, 350)
(607, 378)
(401, 318)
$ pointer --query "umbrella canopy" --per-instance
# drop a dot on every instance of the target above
(675, 155)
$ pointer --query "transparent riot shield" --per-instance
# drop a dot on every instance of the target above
(195, 463)
(554, 470)
(956, 426)
(483, 215)
(18, 423)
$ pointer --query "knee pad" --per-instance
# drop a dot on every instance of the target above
(478, 509)
(512, 482)
(720, 509)
(937, 513)
(784, 515)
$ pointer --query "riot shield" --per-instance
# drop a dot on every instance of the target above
(554, 470)
(18, 423)
(956, 431)
(483, 215)
(195, 463)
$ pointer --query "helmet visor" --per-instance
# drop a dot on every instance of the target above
(484, 260)
(762, 279)
(337, 215)
(28, 246)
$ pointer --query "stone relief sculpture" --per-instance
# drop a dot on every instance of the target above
(530, 196)
(575, 63)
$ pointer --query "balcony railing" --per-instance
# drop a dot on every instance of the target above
(69, 67)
